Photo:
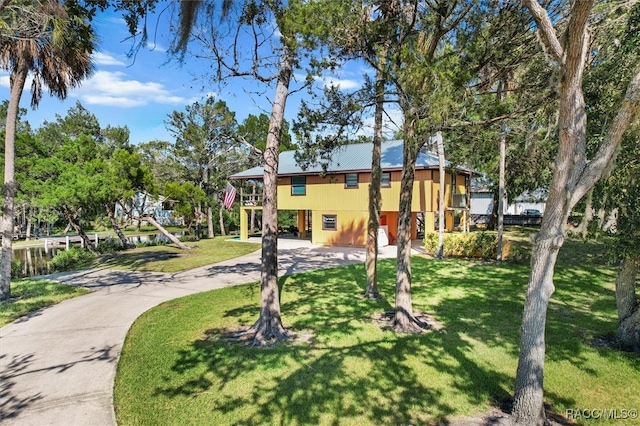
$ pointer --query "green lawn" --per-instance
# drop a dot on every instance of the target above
(30, 295)
(177, 369)
(169, 258)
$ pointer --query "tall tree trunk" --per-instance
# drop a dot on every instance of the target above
(528, 406)
(492, 223)
(373, 224)
(404, 320)
(628, 335)
(252, 222)
(441, 202)
(583, 227)
(209, 210)
(223, 232)
(28, 230)
(210, 233)
(574, 175)
(76, 227)
(501, 184)
(198, 221)
(269, 324)
(17, 82)
(116, 228)
(169, 235)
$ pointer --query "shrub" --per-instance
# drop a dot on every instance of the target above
(474, 245)
(110, 245)
(16, 269)
(71, 259)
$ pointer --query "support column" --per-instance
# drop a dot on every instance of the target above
(448, 220)
(302, 223)
(244, 224)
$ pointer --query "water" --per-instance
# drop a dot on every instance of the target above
(35, 260)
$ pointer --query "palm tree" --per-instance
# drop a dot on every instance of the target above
(56, 49)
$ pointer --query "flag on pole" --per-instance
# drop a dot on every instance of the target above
(229, 196)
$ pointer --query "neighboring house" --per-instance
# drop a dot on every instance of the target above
(142, 204)
(482, 199)
(529, 200)
(333, 207)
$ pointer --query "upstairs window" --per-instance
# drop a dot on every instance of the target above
(351, 180)
(298, 185)
(386, 179)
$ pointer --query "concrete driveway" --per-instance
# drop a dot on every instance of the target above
(57, 365)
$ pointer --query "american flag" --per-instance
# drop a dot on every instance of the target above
(229, 196)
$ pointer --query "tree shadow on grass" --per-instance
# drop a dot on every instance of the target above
(353, 372)
(138, 260)
(376, 381)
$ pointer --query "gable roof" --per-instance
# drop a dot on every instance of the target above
(346, 159)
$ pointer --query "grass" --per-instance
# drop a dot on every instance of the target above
(177, 369)
(169, 258)
(31, 295)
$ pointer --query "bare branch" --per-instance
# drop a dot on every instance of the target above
(609, 148)
(545, 28)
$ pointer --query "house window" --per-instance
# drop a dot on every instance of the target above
(329, 222)
(351, 180)
(298, 185)
(386, 179)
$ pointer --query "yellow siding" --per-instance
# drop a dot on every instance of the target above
(461, 184)
(322, 193)
(351, 228)
(328, 195)
(330, 192)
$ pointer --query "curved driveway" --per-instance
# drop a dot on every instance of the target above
(57, 365)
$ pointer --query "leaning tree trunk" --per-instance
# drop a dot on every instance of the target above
(628, 335)
(166, 233)
(85, 239)
(373, 224)
(404, 320)
(125, 242)
(17, 85)
(441, 203)
(269, 324)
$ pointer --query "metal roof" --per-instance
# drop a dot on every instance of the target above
(345, 159)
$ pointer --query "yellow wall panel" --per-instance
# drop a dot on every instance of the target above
(351, 228)
(461, 187)
(330, 192)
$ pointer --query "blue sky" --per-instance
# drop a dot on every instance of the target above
(141, 92)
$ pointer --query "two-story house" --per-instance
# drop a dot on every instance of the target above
(333, 206)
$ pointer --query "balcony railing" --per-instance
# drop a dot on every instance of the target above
(251, 200)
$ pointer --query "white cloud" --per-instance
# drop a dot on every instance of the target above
(101, 58)
(156, 47)
(342, 84)
(114, 89)
(4, 80)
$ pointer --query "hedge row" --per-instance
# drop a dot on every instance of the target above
(473, 245)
